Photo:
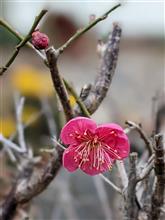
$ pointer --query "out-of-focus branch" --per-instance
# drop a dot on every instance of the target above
(10, 144)
(30, 183)
(116, 188)
(49, 116)
(143, 136)
(85, 29)
(103, 80)
(157, 199)
(130, 192)
(146, 170)
(19, 104)
(23, 41)
(58, 83)
(122, 173)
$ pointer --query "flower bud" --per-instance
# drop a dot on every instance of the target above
(40, 40)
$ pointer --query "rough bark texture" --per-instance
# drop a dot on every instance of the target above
(103, 80)
(131, 209)
(58, 83)
(157, 199)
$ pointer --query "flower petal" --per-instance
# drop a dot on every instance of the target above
(79, 125)
(107, 133)
(89, 168)
(113, 136)
(69, 161)
(105, 129)
(122, 146)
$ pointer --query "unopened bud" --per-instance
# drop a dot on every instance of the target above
(92, 18)
(40, 40)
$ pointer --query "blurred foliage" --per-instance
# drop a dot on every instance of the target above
(31, 82)
(6, 38)
(7, 126)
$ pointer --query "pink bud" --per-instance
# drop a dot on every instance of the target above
(40, 40)
(92, 18)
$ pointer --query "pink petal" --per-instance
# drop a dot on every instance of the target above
(68, 159)
(105, 133)
(79, 125)
(108, 127)
(89, 169)
(118, 141)
(123, 146)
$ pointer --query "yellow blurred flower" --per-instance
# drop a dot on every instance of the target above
(72, 100)
(31, 82)
(7, 126)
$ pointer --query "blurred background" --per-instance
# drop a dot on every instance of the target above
(138, 81)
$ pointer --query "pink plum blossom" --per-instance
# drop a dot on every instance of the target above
(93, 148)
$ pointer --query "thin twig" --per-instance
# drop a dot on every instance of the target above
(21, 37)
(101, 191)
(9, 152)
(10, 144)
(49, 116)
(116, 188)
(85, 29)
(23, 42)
(77, 98)
(143, 135)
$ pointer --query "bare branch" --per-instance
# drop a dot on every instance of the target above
(103, 80)
(143, 135)
(146, 171)
(10, 144)
(85, 29)
(116, 188)
(58, 83)
(20, 37)
(30, 183)
(101, 190)
(23, 41)
(159, 191)
(130, 192)
(49, 116)
(122, 173)
(19, 104)
(78, 100)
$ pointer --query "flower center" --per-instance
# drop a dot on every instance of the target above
(92, 148)
(88, 138)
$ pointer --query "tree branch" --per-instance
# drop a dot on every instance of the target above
(157, 199)
(103, 80)
(85, 29)
(143, 136)
(130, 193)
(58, 83)
(23, 41)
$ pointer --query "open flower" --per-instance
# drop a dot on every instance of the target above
(93, 148)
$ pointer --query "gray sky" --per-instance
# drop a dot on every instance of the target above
(138, 18)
